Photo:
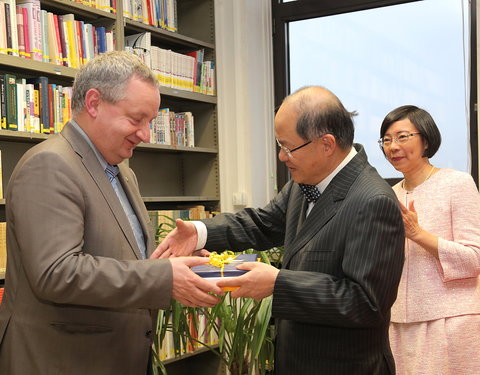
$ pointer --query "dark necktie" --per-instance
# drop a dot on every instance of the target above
(111, 171)
(311, 192)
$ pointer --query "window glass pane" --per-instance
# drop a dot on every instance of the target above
(379, 59)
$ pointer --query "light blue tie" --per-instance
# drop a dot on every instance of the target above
(111, 171)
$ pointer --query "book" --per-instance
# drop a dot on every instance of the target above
(213, 273)
(11, 99)
(140, 44)
(197, 73)
(3, 247)
(34, 27)
(3, 102)
(3, 29)
(26, 28)
(11, 27)
(21, 106)
(1, 179)
(41, 84)
(20, 34)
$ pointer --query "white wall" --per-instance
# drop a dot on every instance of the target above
(245, 103)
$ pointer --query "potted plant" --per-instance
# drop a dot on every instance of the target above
(238, 331)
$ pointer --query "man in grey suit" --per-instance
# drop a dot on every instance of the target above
(343, 242)
(78, 288)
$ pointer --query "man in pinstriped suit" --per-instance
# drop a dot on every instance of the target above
(343, 251)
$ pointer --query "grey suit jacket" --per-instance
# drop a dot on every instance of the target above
(77, 297)
(340, 272)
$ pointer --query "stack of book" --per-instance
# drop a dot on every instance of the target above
(173, 128)
(33, 33)
(158, 13)
(188, 71)
(33, 105)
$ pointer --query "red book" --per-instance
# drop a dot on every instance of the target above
(26, 28)
(20, 31)
(57, 38)
(62, 40)
(79, 35)
(149, 12)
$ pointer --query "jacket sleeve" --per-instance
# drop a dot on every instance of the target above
(260, 229)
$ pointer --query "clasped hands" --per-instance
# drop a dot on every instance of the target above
(192, 290)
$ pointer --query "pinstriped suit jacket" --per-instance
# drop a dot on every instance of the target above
(340, 272)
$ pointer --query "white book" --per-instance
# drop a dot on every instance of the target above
(46, 56)
(141, 44)
(21, 104)
(127, 9)
(109, 41)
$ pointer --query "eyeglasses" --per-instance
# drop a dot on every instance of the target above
(399, 139)
(288, 151)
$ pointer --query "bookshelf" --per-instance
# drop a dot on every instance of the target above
(168, 176)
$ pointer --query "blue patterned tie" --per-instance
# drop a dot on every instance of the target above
(111, 171)
(311, 192)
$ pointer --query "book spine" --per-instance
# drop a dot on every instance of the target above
(3, 102)
(20, 34)
(11, 89)
(26, 33)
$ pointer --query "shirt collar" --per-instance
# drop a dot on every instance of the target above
(322, 185)
(84, 135)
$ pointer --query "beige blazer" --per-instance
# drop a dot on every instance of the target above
(77, 297)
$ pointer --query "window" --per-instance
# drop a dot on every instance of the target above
(375, 60)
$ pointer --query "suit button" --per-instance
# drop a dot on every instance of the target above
(148, 333)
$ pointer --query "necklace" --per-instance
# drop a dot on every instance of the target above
(426, 178)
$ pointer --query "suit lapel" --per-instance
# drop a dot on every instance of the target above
(326, 207)
(93, 166)
(127, 179)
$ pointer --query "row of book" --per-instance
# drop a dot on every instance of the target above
(157, 13)
(109, 6)
(190, 71)
(36, 105)
(30, 32)
(33, 105)
(173, 128)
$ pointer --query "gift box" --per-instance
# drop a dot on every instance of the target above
(213, 273)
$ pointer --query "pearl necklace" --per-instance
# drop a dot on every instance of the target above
(428, 176)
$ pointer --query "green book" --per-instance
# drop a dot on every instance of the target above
(11, 91)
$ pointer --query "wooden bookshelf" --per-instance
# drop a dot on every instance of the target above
(168, 176)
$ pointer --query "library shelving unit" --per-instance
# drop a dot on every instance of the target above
(168, 176)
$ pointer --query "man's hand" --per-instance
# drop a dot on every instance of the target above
(190, 289)
(179, 242)
(258, 283)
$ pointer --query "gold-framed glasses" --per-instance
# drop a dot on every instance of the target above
(399, 139)
(289, 151)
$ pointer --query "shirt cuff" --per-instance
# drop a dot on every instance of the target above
(201, 234)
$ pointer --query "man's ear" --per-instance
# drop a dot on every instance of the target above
(92, 101)
(328, 144)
